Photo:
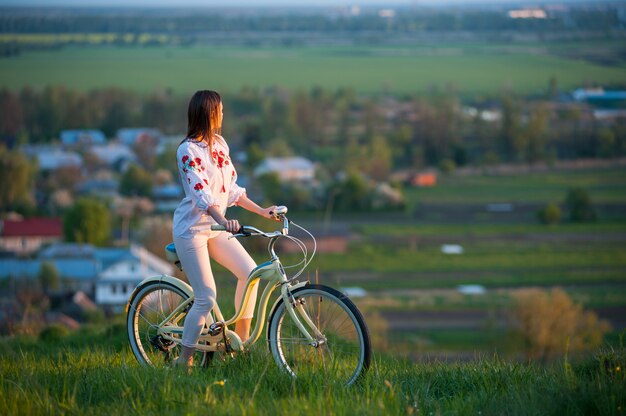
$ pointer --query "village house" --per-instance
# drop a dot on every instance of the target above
(108, 275)
(116, 156)
(82, 137)
(288, 169)
(132, 136)
(122, 270)
(52, 158)
(167, 197)
(26, 236)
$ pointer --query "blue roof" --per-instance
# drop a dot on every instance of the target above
(169, 191)
(69, 137)
(78, 269)
(599, 95)
(110, 255)
(72, 261)
(129, 136)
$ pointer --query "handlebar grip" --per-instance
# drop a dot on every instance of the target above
(218, 227)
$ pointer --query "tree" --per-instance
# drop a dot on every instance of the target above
(550, 214)
(536, 133)
(88, 221)
(552, 324)
(351, 193)
(511, 141)
(11, 115)
(16, 183)
(579, 206)
(136, 181)
(48, 277)
(380, 158)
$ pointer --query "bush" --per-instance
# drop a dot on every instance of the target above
(550, 214)
(553, 325)
(447, 166)
(53, 333)
(579, 206)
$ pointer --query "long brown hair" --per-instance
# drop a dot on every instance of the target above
(203, 116)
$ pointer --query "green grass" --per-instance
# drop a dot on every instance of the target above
(493, 231)
(92, 372)
(469, 68)
(542, 258)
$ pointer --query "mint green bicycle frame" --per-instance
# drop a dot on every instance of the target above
(272, 272)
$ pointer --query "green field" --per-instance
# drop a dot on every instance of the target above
(397, 257)
(467, 68)
(92, 372)
(604, 185)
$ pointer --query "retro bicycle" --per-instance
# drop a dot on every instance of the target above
(312, 329)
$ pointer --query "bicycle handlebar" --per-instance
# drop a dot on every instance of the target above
(247, 231)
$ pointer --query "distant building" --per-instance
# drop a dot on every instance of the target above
(123, 270)
(132, 136)
(528, 13)
(607, 105)
(287, 168)
(167, 197)
(27, 236)
(115, 155)
(424, 179)
(109, 275)
(99, 187)
(591, 94)
(51, 158)
(82, 137)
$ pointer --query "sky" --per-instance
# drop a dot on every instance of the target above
(214, 3)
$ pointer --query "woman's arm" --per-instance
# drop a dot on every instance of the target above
(249, 205)
(246, 203)
(232, 226)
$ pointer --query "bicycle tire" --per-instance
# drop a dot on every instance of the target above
(345, 355)
(146, 346)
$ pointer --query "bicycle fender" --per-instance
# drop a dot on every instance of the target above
(294, 287)
(163, 278)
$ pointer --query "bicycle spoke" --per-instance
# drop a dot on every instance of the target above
(147, 312)
(339, 354)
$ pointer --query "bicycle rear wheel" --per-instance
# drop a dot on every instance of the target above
(152, 304)
(344, 352)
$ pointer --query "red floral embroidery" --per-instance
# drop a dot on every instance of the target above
(198, 187)
(205, 181)
(192, 164)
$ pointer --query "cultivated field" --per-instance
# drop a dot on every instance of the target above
(412, 284)
(467, 68)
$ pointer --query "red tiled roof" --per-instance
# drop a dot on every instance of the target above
(33, 227)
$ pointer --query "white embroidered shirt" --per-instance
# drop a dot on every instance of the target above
(209, 179)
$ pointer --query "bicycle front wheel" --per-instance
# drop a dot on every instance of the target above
(343, 352)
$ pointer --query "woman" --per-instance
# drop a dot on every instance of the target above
(209, 181)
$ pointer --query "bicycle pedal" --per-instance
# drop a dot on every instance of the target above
(216, 328)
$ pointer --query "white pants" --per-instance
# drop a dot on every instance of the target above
(194, 254)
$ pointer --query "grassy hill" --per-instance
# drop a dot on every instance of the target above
(92, 372)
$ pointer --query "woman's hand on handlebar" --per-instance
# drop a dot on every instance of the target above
(269, 213)
(232, 226)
